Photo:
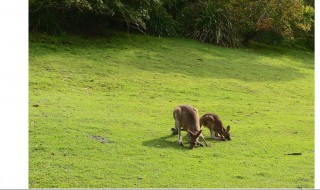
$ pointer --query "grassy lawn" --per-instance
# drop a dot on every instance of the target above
(100, 113)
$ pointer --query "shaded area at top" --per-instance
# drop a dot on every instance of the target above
(259, 63)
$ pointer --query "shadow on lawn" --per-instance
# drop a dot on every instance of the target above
(188, 57)
(163, 143)
(248, 69)
(191, 58)
(216, 62)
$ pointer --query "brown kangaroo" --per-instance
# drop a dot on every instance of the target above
(212, 121)
(186, 117)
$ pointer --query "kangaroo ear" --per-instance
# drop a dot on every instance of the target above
(228, 128)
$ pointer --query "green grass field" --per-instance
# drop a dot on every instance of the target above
(100, 113)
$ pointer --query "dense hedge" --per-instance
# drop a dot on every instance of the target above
(225, 22)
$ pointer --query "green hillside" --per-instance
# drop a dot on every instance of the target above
(100, 113)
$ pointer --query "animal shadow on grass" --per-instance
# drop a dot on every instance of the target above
(164, 142)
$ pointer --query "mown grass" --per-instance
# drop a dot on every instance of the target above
(100, 113)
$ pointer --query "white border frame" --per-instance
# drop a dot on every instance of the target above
(14, 94)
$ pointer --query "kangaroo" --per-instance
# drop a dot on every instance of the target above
(212, 121)
(186, 117)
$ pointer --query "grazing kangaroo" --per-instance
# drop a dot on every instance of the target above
(186, 117)
(212, 121)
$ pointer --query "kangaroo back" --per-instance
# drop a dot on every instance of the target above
(215, 125)
(186, 117)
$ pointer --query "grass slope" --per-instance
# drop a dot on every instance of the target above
(100, 113)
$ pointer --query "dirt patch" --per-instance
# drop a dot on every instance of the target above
(100, 139)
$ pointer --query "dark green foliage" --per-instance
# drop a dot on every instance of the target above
(267, 37)
(86, 15)
(208, 21)
(45, 18)
(305, 37)
(273, 22)
(160, 22)
(229, 23)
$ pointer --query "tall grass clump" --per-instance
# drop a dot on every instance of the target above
(210, 21)
(46, 19)
(160, 23)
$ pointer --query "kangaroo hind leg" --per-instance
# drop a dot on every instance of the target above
(177, 119)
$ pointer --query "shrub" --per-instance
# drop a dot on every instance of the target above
(209, 21)
(45, 18)
(160, 23)
(55, 16)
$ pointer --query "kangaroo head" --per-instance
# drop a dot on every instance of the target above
(193, 138)
(227, 133)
